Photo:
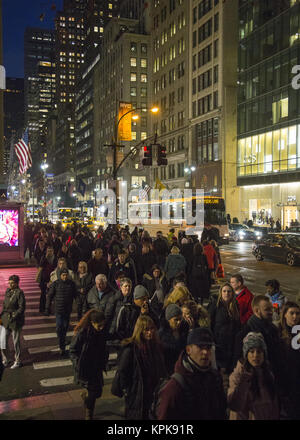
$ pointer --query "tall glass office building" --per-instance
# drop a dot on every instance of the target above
(268, 146)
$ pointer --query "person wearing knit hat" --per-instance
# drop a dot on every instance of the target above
(173, 333)
(252, 393)
(254, 341)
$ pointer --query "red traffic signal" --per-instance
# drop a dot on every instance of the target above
(147, 155)
(161, 155)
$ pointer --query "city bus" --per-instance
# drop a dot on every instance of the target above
(214, 214)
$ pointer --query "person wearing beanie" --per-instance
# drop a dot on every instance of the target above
(203, 397)
(173, 333)
(129, 313)
(252, 393)
(64, 291)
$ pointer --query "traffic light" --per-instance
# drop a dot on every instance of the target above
(161, 155)
(147, 155)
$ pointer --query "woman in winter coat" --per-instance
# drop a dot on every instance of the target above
(252, 394)
(290, 316)
(84, 281)
(147, 258)
(89, 356)
(140, 368)
(195, 315)
(173, 335)
(156, 283)
(199, 275)
(175, 263)
(225, 324)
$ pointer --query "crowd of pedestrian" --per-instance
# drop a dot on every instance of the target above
(183, 352)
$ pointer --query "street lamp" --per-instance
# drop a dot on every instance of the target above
(189, 170)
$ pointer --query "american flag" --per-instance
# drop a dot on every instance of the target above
(143, 193)
(23, 152)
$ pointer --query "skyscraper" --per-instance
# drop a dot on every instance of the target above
(268, 153)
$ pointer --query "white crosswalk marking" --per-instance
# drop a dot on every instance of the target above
(43, 336)
(52, 364)
(57, 381)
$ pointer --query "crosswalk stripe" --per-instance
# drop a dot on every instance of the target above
(51, 364)
(37, 326)
(57, 381)
(43, 336)
(50, 348)
(36, 318)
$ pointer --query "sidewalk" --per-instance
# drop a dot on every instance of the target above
(61, 406)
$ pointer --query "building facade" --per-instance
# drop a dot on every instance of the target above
(268, 150)
(170, 49)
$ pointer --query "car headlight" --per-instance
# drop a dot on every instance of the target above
(257, 233)
(241, 234)
(226, 235)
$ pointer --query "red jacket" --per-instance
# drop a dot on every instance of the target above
(211, 255)
(244, 298)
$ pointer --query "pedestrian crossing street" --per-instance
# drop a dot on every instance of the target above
(39, 345)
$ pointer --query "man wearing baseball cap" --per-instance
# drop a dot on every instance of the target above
(196, 391)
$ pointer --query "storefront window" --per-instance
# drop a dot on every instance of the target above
(276, 150)
(261, 153)
(268, 153)
(292, 148)
(241, 156)
(283, 149)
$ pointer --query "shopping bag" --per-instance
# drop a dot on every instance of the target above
(2, 337)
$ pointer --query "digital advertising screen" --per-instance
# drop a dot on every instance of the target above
(9, 227)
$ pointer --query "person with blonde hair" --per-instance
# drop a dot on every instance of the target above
(179, 295)
(175, 263)
(225, 324)
(140, 368)
(89, 356)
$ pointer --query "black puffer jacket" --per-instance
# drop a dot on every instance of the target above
(89, 356)
(225, 330)
(64, 293)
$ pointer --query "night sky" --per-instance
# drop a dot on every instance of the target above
(16, 16)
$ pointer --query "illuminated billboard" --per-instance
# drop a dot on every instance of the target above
(9, 227)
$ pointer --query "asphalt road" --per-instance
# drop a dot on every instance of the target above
(45, 372)
(238, 258)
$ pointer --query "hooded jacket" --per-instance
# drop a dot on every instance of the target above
(205, 399)
(64, 293)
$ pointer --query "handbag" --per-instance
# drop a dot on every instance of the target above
(38, 277)
(116, 389)
(2, 337)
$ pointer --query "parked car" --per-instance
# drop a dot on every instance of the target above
(239, 232)
(294, 229)
(283, 247)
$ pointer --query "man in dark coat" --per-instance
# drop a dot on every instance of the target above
(160, 248)
(64, 291)
(210, 233)
(98, 298)
(261, 322)
(86, 246)
(48, 264)
(98, 264)
(12, 318)
(203, 397)
(123, 264)
(130, 313)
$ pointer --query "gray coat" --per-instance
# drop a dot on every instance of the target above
(175, 263)
(13, 312)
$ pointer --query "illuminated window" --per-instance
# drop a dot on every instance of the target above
(133, 62)
(133, 77)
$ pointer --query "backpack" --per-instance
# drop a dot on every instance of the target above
(161, 385)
